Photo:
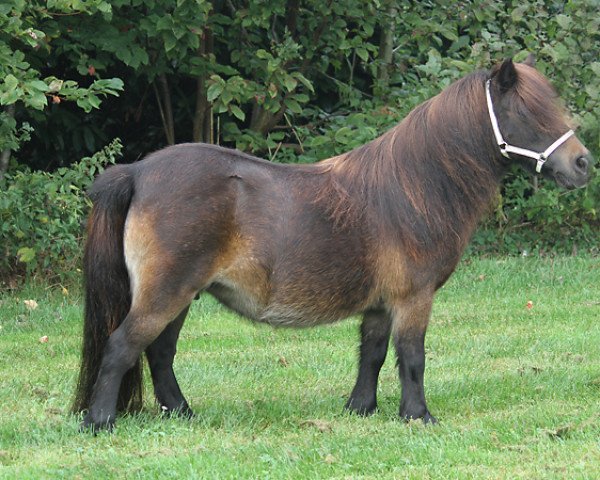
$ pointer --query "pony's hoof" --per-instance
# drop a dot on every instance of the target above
(364, 409)
(182, 412)
(90, 425)
(427, 418)
(186, 412)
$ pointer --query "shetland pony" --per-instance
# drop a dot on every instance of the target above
(375, 231)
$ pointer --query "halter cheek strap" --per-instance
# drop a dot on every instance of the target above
(506, 148)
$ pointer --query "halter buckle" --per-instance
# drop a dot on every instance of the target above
(540, 162)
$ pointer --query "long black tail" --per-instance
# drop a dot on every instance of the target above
(106, 283)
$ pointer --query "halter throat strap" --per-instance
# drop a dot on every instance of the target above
(506, 148)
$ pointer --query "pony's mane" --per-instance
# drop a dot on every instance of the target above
(428, 180)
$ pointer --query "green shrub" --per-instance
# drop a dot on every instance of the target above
(541, 219)
(42, 214)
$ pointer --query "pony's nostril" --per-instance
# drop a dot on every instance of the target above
(582, 163)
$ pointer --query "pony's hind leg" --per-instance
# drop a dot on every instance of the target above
(160, 354)
(375, 337)
(124, 347)
(120, 354)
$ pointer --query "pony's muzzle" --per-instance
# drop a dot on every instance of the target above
(582, 164)
(576, 173)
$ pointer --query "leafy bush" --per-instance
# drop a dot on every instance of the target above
(541, 219)
(41, 215)
(293, 82)
(21, 80)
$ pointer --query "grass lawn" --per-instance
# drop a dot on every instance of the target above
(516, 390)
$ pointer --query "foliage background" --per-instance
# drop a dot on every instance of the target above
(288, 80)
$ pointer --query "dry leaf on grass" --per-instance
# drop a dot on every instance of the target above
(320, 425)
(282, 361)
(565, 430)
(30, 304)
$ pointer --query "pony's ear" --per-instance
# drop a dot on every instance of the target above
(505, 75)
(530, 60)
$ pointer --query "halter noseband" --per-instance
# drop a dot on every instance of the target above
(506, 148)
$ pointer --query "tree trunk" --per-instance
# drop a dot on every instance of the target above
(386, 47)
(198, 130)
(291, 17)
(202, 123)
(263, 121)
(165, 107)
(5, 155)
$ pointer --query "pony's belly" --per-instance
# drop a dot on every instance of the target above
(238, 300)
(297, 316)
(289, 298)
(275, 314)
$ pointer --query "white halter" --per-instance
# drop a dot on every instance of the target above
(506, 148)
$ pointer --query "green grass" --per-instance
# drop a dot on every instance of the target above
(516, 390)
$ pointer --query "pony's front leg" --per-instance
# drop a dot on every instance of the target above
(409, 326)
(375, 337)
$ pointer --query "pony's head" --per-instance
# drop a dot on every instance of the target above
(531, 127)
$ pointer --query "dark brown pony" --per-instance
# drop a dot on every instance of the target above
(375, 231)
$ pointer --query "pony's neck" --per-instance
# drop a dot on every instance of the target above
(428, 180)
